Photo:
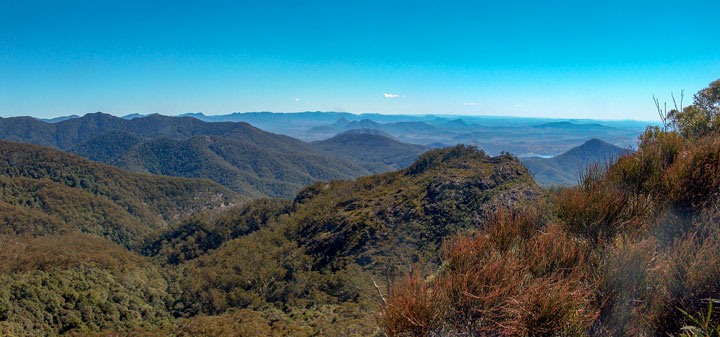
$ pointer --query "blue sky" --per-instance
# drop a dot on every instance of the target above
(566, 59)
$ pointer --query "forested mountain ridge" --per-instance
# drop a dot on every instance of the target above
(249, 169)
(400, 217)
(402, 213)
(241, 157)
(46, 191)
(66, 133)
(367, 145)
(287, 266)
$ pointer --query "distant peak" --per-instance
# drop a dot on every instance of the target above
(340, 122)
(595, 141)
(193, 114)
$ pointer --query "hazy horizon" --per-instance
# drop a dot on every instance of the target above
(341, 112)
(560, 59)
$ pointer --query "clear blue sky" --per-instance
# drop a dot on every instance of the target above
(593, 59)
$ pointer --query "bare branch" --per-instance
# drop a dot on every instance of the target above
(378, 290)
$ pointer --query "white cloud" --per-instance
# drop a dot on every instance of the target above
(470, 103)
(390, 95)
(297, 100)
(518, 105)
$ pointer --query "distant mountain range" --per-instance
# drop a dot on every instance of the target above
(521, 136)
(251, 169)
(58, 119)
(563, 169)
(246, 159)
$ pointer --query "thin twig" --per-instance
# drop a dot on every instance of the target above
(378, 290)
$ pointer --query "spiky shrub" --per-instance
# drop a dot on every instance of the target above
(518, 278)
(553, 306)
(413, 309)
(596, 210)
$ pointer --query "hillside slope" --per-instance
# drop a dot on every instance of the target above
(366, 145)
(268, 267)
(253, 170)
(45, 191)
(562, 170)
(64, 134)
(400, 218)
(248, 160)
(324, 247)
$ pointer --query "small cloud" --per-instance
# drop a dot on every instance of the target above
(297, 100)
(391, 95)
(518, 105)
(470, 103)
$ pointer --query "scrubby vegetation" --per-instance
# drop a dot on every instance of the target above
(269, 266)
(628, 252)
(457, 244)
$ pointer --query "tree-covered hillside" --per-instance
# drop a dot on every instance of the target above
(243, 158)
(67, 133)
(372, 146)
(273, 265)
(247, 168)
(459, 243)
(46, 191)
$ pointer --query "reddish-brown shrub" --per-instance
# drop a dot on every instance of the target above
(684, 275)
(414, 309)
(503, 281)
(622, 284)
(553, 306)
(553, 251)
(595, 212)
(506, 229)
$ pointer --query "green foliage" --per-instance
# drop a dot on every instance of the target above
(702, 323)
(388, 153)
(199, 234)
(702, 117)
(241, 164)
(82, 298)
(249, 161)
(43, 191)
(400, 218)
